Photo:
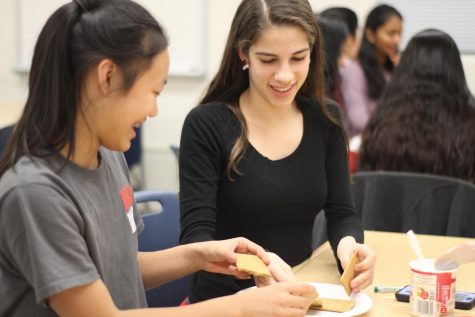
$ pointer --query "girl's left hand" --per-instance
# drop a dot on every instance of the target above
(220, 256)
(367, 260)
(280, 270)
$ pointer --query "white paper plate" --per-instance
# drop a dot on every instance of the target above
(363, 301)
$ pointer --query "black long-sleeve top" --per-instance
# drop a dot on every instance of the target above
(273, 202)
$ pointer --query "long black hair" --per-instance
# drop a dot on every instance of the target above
(343, 14)
(425, 118)
(334, 33)
(75, 38)
(367, 54)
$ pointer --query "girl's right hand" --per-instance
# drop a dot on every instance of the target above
(277, 300)
(280, 270)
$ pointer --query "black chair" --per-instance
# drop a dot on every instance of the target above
(426, 203)
(399, 201)
(176, 150)
(5, 133)
(134, 156)
(319, 235)
(162, 231)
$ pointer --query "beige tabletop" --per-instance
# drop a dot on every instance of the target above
(392, 268)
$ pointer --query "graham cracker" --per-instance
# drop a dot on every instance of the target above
(349, 273)
(251, 264)
(332, 304)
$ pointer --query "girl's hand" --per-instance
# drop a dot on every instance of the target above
(220, 256)
(280, 270)
(367, 261)
(279, 299)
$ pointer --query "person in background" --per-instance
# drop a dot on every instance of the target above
(363, 80)
(353, 39)
(263, 152)
(68, 221)
(334, 33)
(424, 120)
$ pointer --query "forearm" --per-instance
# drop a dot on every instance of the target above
(197, 226)
(198, 211)
(76, 302)
(342, 219)
(167, 265)
(223, 306)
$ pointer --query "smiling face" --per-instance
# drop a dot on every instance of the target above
(119, 112)
(278, 65)
(387, 37)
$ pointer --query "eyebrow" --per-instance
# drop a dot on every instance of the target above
(294, 53)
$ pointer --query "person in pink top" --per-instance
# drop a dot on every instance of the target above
(363, 80)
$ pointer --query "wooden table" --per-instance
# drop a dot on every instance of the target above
(392, 268)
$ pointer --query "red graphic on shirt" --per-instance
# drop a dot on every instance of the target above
(126, 194)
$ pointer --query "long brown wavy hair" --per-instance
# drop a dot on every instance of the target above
(251, 18)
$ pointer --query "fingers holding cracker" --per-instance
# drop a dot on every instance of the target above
(252, 265)
(349, 273)
(362, 273)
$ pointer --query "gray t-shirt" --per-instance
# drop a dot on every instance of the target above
(64, 229)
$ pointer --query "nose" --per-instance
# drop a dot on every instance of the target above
(154, 111)
(397, 39)
(284, 74)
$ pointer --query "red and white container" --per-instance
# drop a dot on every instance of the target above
(432, 291)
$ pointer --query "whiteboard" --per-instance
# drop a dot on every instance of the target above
(185, 27)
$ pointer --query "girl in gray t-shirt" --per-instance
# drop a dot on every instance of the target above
(68, 223)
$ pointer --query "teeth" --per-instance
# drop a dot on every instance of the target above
(281, 89)
(137, 125)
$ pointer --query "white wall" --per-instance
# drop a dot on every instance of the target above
(180, 95)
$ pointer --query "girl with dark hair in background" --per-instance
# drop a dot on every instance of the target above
(334, 37)
(363, 80)
(353, 39)
(424, 120)
(68, 225)
(263, 153)
(334, 33)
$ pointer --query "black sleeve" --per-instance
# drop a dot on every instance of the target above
(201, 164)
(342, 219)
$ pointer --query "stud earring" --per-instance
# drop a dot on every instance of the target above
(246, 66)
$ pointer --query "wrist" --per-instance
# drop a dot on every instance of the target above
(345, 245)
(196, 255)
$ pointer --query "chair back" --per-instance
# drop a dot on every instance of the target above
(134, 154)
(162, 231)
(176, 150)
(428, 204)
(5, 134)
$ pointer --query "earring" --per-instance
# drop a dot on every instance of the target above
(246, 66)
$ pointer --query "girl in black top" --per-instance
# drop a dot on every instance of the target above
(264, 153)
